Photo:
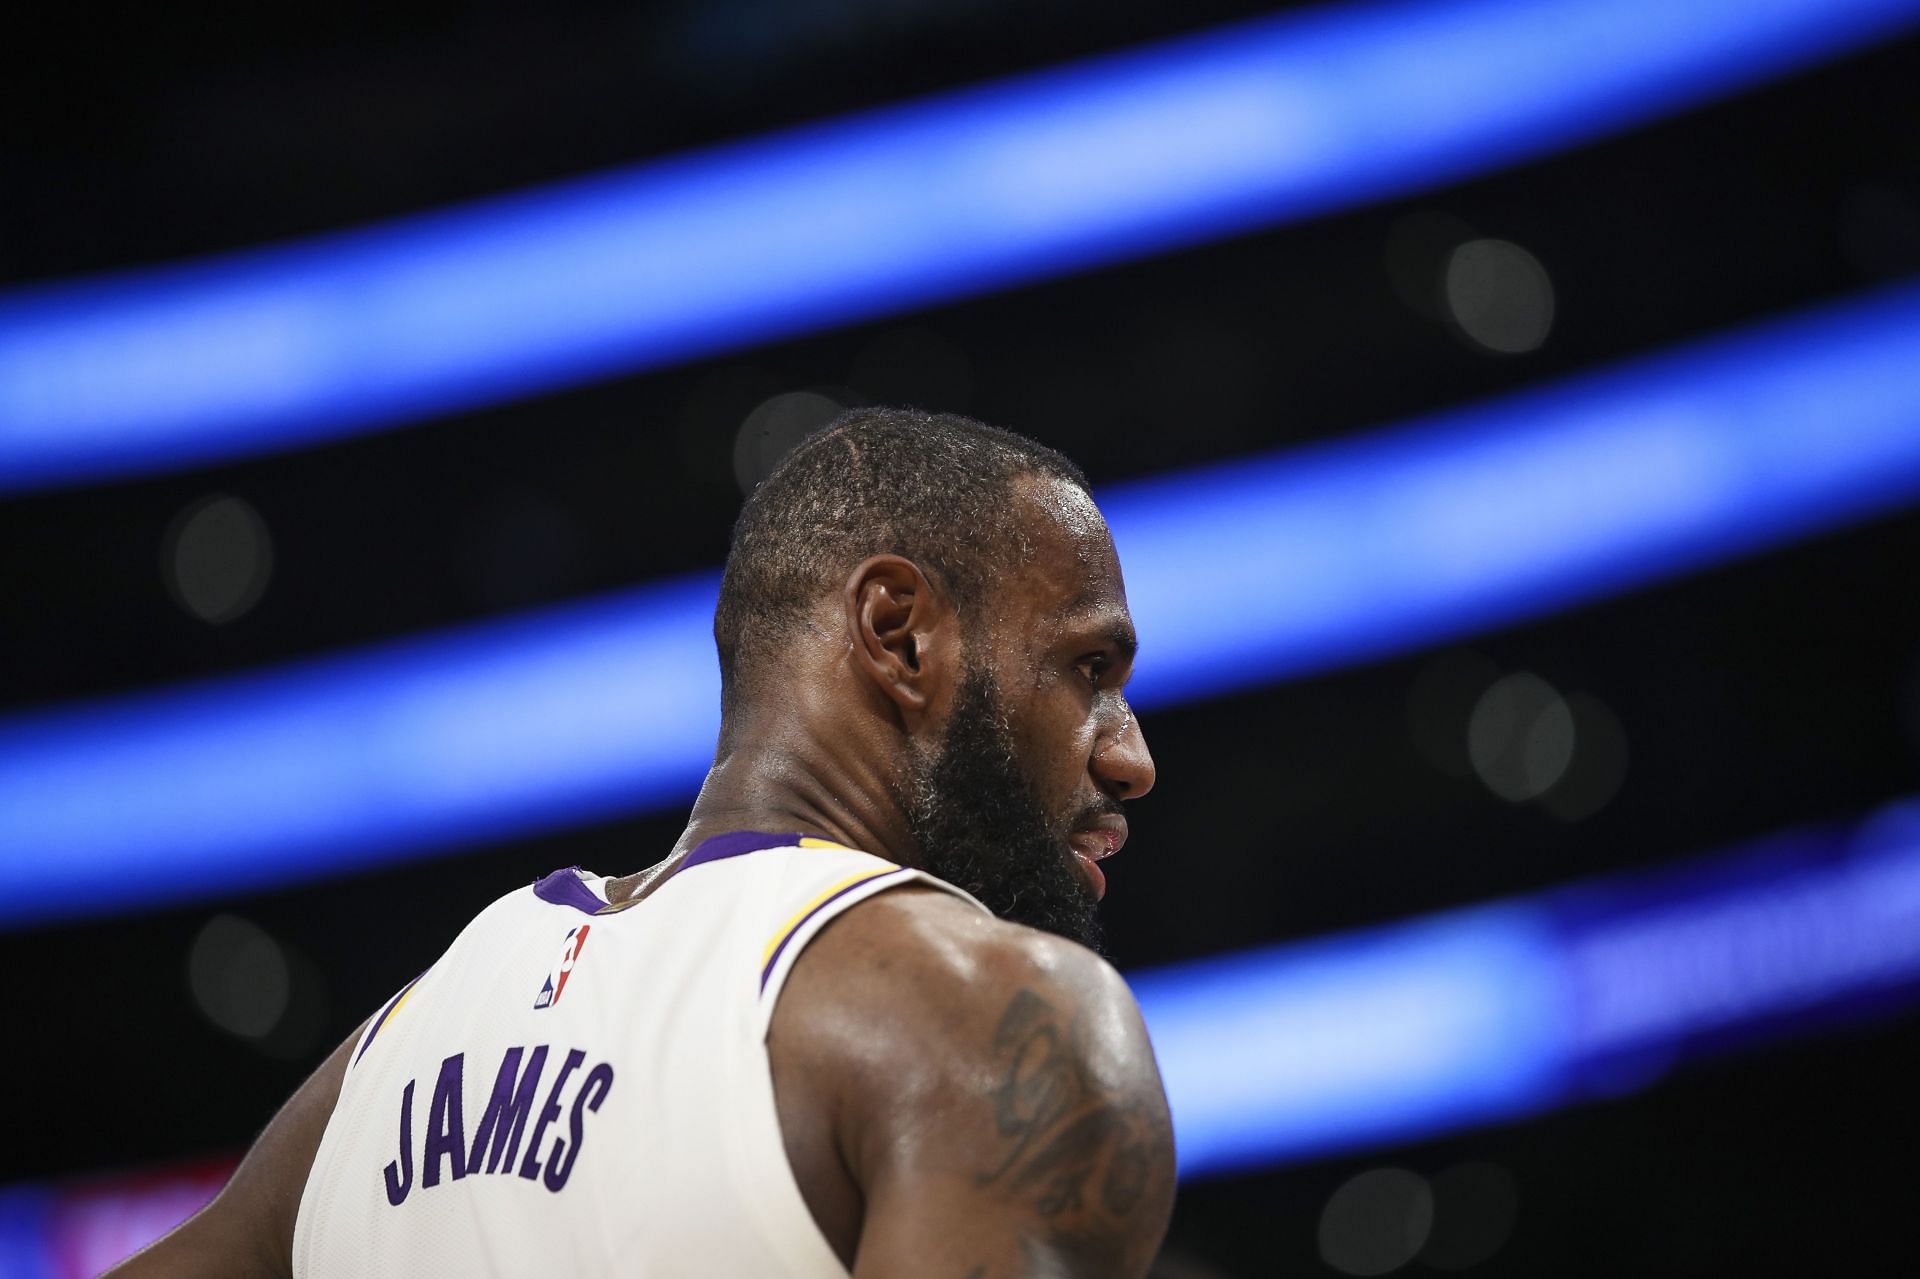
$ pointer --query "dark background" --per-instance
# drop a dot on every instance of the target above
(1777, 691)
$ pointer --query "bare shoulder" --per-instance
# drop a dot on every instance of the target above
(933, 936)
(993, 1089)
(918, 966)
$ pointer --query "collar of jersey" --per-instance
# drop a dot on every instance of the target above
(566, 888)
(740, 842)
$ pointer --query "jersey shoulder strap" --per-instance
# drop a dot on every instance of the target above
(797, 885)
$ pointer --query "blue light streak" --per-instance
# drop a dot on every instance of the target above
(1274, 1055)
(1009, 182)
(1504, 1010)
(321, 768)
(1238, 576)
(1311, 559)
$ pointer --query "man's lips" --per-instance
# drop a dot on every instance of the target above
(1094, 841)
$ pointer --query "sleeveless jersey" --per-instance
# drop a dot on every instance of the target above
(578, 1088)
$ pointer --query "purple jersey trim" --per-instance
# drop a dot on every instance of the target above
(563, 888)
(735, 843)
(797, 929)
(385, 1013)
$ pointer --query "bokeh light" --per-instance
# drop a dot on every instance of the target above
(1520, 737)
(1475, 1205)
(258, 988)
(1376, 1222)
(1599, 764)
(239, 977)
(1499, 296)
(217, 558)
(773, 428)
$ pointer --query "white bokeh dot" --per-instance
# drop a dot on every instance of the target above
(1599, 766)
(771, 430)
(1475, 1206)
(1499, 296)
(1520, 737)
(239, 977)
(1376, 1222)
(217, 558)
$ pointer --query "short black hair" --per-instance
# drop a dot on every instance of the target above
(932, 487)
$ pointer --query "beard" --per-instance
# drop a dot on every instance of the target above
(981, 826)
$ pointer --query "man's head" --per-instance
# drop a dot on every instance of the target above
(943, 598)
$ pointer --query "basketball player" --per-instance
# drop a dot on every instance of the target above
(849, 1024)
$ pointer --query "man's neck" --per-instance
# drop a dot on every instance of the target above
(790, 783)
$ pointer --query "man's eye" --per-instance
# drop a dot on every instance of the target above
(1094, 668)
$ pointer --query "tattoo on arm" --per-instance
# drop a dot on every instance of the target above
(1070, 1147)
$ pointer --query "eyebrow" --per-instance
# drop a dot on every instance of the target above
(1110, 624)
(1123, 639)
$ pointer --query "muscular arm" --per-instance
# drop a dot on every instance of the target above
(989, 1091)
(247, 1230)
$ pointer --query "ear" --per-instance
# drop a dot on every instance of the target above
(903, 631)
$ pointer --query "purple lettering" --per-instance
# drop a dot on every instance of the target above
(446, 1133)
(506, 1114)
(530, 1167)
(398, 1185)
(560, 1167)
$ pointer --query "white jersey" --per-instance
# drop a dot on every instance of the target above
(583, 1089)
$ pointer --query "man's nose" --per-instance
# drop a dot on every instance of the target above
(1123, 765)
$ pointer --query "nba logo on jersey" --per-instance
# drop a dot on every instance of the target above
(556, 982)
